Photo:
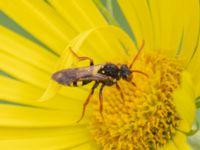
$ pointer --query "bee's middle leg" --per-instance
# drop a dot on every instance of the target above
(88, 100)
(80, 58)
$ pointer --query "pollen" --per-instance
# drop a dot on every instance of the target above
(146, 117)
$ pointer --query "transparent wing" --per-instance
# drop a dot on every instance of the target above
(68, 76)
(96, 77)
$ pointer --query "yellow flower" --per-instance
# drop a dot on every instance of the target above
(158, 111)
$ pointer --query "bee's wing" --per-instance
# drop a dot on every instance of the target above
(96, 77)
(68, 76)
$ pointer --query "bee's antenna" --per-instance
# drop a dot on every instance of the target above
(135, 58)
(138, 71)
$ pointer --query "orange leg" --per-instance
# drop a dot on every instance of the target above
(133, 83)
(101, 101)
(88, 100)
(119, 89)
(82, 57)
(137, 55)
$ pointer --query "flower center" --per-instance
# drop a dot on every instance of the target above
(148, 118)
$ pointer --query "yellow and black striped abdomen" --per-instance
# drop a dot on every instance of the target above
(79, 83)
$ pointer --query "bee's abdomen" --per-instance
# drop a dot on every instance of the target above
(79, 83)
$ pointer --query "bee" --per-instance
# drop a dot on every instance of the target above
(107, 74)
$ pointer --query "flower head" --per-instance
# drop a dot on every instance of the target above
(153, 110)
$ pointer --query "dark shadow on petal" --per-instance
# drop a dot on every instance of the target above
(2, 73)
(6, 102)
(121, 19)
(180, 45)
(196, 46)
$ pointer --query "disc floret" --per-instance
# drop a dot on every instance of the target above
(148, 119)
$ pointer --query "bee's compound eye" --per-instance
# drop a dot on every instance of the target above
(124, 71)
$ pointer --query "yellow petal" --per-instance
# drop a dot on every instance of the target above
(63, 141)
(159, 23)
(30, 74)
(171, 25)
(86, 146)
(184, 98)
(180, 140)
(154, 11)
(45, 24)
(170, 146)
(24, 116)
(23, 71)
(81, 14)
(194, 69)
(43, 132)
(23, 49)
(15, 91)
(191, 28)
(139, 18)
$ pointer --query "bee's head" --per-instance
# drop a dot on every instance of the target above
(125, 72)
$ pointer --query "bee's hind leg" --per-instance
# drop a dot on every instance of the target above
(101, 101)
(80, 58)
(88, 100)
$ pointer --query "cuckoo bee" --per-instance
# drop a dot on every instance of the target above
(106, 74)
